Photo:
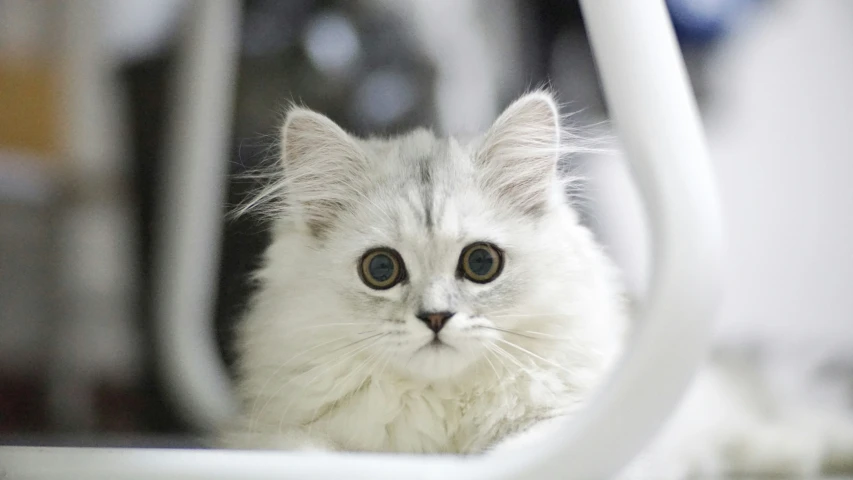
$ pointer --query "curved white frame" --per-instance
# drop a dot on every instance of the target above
(187, 247)
(654, 111)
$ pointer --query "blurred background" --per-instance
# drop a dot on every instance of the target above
(125, 126)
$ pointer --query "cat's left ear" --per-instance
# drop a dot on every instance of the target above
(324, 167)
(518, 156)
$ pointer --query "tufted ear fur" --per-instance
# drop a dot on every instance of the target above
(518, 155)
(323, 166)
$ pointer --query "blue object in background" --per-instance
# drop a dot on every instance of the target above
(704, 21)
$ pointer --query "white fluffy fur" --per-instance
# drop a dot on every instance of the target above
(328, 363)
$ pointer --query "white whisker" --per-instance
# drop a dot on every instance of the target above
(538, 357)
(279, 369)
(326, 354)
(341, 361)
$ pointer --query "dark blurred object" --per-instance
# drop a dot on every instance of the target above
(23, 406)
(29, 215)
(29, 290)
(357, 65)
(147, 82)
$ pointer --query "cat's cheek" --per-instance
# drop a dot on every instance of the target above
(500, 295)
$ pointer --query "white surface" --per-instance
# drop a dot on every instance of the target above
(781, 134)
(33, 463)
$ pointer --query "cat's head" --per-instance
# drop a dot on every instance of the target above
(425, 255)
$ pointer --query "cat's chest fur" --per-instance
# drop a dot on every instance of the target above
(388, 413)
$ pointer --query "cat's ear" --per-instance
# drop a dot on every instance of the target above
(518, 155)
(323, 165)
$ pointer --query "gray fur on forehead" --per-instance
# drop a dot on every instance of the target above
(418, 171)
(413, 157)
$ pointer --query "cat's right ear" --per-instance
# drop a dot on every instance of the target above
(519, 154)
(322, 166)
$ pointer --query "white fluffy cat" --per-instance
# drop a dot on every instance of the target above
(423, 296)
(328, 359)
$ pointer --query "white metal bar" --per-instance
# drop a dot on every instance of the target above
(34, 463)
(654, 111)
(190, 214)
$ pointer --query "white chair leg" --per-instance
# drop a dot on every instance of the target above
(190, 214)
(654, 111)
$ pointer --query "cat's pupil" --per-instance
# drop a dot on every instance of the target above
(480, 261)
(381, 267)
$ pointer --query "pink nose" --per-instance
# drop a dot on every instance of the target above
(435, 320)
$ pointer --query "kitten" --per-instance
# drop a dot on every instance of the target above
(422, 295)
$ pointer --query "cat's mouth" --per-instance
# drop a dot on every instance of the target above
(435, 344)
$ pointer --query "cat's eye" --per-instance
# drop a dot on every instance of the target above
(481, 262)
(381, 268)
